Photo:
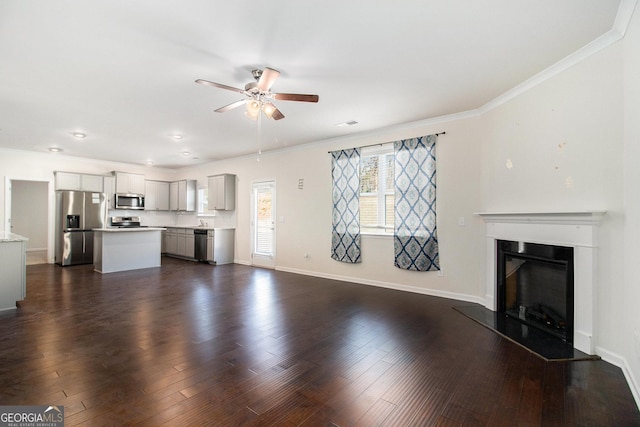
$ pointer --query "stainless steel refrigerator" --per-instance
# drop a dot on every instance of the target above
(77, 213)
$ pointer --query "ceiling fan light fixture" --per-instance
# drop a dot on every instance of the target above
(253, 107)
(258, 95)
(268, 109)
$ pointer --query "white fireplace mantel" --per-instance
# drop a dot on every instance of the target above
(572, 218)
(578, 230)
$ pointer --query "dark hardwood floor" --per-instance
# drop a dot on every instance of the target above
(190, 344)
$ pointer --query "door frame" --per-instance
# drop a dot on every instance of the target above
(51, 202)
(260, 260)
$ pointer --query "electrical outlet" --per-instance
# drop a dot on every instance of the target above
(461, 221)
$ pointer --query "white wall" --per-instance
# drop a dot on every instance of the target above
(30, 212)
(564, 139)
(573, 143)
(304, 216)
(630, 346)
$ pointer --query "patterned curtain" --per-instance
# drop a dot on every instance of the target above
(345, 238)
(415, 237)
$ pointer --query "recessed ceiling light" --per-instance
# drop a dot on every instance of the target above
(149, 163)
(347, 124)
(177, 137)
(55, 149)
(79, 135)
(186, 153)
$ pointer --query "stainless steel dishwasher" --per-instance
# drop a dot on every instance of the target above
(200, 248)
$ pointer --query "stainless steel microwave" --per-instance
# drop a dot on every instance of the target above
(129, 201)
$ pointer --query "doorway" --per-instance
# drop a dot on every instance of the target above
(29, 216)
(263, 225)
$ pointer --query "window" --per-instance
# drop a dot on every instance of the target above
(203, 205)
(377, 192)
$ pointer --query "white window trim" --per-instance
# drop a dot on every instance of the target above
(378, 150)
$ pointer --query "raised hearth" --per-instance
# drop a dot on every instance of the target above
(577, 230)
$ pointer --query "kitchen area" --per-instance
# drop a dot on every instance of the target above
(122, 221)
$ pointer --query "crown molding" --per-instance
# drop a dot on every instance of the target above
(617, 32)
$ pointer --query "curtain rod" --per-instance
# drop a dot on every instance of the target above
(383, 143)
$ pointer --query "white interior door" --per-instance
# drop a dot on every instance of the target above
(263, 224)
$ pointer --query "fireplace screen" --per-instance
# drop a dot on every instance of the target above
(535, 286)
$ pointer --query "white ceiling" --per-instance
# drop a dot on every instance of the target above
(123, 71)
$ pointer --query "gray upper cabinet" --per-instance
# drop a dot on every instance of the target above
(182, 195)
(130, 183)
(78, 182)
(222, 192)
(156, 196)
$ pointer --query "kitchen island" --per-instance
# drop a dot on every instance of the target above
(13, 269)
(122, 249)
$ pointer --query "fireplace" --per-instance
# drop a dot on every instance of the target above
(535, 286)
(577, 231)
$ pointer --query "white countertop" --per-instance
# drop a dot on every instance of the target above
(198, 227)
(129, 230)
(6, 237)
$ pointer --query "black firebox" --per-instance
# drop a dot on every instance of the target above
(535, 286)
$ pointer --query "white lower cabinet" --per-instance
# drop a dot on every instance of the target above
(179, 242)
(170, 241)
(189, 251)
(12, 271)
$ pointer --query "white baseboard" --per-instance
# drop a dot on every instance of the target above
(621, 363)
(388, 285)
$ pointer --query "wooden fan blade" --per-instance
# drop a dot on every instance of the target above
(218, 85)
(296, 97)
(268, 77)
(231, 106)
(277, 115)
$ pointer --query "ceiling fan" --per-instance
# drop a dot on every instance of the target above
(259, 95)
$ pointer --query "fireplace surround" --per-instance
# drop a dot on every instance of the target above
(575, 230)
